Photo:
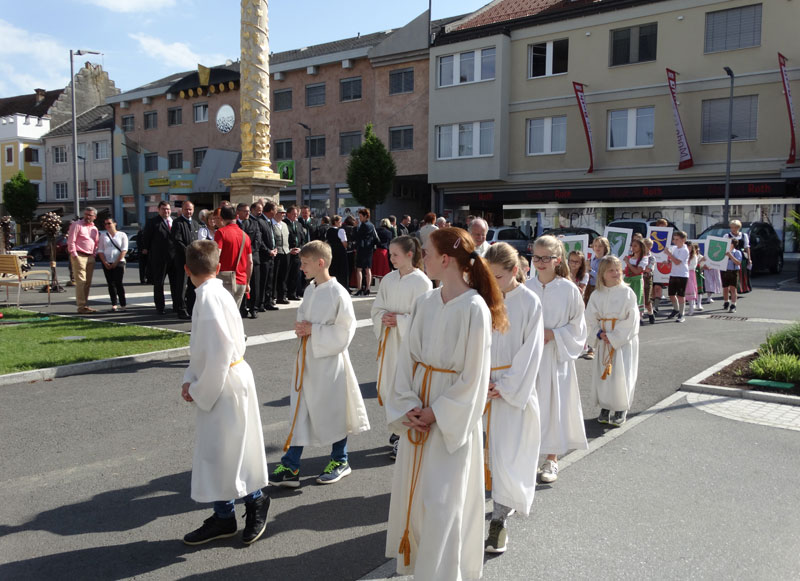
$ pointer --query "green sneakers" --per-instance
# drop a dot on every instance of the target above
(285, 476)
(334, 472)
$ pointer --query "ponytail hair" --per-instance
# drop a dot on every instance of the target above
(524, 267)
(410, 244)
(458, 244)
(556, 248)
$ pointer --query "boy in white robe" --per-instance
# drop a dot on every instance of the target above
(229, 460)
(612, 319)
(326, 399)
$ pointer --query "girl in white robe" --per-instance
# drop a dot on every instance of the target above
(436, 402)
(612, 318)
(512, 412)
(391, 311)
(564, 338)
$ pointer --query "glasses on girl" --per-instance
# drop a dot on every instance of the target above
(543, 259)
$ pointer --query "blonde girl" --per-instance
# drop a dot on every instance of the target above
(511, 447)
(600, 248)
(436, 405)
(391, 311)
(612, 318)
(564, 339)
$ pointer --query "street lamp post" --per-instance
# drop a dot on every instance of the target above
(75, 125)
(726, 209)
(308, 151)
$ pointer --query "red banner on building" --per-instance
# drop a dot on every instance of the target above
(586, 126)
(788, 92)
(684, 153)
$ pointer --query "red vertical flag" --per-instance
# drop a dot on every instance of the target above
(586, 126)
(788, 92)
(684, 153)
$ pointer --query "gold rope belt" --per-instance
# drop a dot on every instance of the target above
(299, 373)
(237, 362)
(417, 439)
(381, 355)
(487, 472)
(609, 357)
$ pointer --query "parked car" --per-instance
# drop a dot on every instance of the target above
(39, 249)
(511, 234)
(133, 249)
(638, 225)
(568, 231)
(766, 247)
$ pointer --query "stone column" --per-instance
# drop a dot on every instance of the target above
(255, 178)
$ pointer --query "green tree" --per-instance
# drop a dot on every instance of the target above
(370, 171)
(20, 198)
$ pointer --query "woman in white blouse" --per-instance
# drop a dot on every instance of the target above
(112, 249)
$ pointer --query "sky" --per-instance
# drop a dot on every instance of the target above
(144, 40)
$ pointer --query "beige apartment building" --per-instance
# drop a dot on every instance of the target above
(508, 137)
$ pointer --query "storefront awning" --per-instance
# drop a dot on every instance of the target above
(217, 164)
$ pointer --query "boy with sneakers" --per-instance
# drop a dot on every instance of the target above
(678, 255)
(326, 399)
(730, 276)
(229, 460)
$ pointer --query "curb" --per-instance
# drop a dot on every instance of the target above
(694, 385)
(49, 373)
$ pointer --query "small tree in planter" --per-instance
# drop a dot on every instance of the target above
(20, 199)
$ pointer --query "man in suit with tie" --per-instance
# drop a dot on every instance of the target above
(281, 266)
(157, 246)
(402, 227)
(297, 235)
(253, 231)
(308, 223)
(184, 232)
(265, 301)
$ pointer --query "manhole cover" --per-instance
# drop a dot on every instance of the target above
(73, 338)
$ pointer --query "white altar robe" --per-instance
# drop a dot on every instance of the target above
(229, 460)
(514, 430)
(557, 381)
(614, 393)
(447, 513)
(396, 294)
(331, 406)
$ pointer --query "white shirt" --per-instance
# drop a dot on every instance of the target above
(342, 235)
(107, 249)
(680, 270)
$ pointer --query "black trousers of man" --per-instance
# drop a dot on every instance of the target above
(184, 297)
(266, 279)
(280, 271)
(159, 270)
(292, 276)
(250, 305)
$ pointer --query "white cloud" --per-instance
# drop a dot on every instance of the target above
(177, 54)
(132, 5)
(31, 61)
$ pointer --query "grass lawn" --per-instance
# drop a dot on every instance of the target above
(37, 344)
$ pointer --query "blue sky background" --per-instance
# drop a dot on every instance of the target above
(143, 40)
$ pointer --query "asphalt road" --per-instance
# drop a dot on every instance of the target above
(96, 468)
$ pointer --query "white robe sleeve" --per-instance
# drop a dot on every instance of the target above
(331, 339)
(211, 356)
(460, 406)
(571, 337)
(401, 397)
(517, 383)
(378, 310)
(627, 328)
(403, 324)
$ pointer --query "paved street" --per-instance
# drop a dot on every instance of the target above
(96, 471)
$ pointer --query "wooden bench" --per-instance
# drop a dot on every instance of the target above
(11, 275)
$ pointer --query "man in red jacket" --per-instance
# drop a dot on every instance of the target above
(235, 260)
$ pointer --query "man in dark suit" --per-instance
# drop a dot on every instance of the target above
(184, 232)
(308, 223)
(297, 235)
(265, 301)
(156, 244)
(402, 227)
(253, 231)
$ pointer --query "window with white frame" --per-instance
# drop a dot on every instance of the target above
(475, 139)
(733, 28)
(201, 113)
(283, 149)
(151, 120)
(315, 95)
(631, 128)
(350, 89)
(401, 138)
(282, 100)
(102, 189)
(151, 162)
(547, 135)
(401, 81)
(348, 141)
(175, 159)
(548, 58)
(715, 119)
(61, 190)
(636, 44)
(101, 150)
(59, 154)
(467, 67)
(128, 122)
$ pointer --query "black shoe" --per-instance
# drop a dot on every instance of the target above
(243, 314)
(652, 319)
(253, 314)
(284, 476)
(725, 305)
(393, 438)
(673, 314)
(733, 308)
(270, 308)
(366, 292)
(357, 293)
(160, 311)
(261, 309)
(282, 302)
(184, 315)
(255, 516)
(213, 528)
(293, 298)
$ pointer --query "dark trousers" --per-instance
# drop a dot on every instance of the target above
(291, 275)
(183, 297)
(114, 278)
(280, 270)
(249, 305)
(158, 272)
(266, 279)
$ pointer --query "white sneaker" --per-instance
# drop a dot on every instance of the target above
(699, 307)
(691, 310)
(710, 300)
(549, 472)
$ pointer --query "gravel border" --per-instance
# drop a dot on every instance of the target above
(694, 385)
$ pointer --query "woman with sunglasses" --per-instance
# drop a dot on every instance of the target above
(112, 250)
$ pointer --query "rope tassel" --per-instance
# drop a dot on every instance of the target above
(609, 357)
(381, 355)
(299, 372)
